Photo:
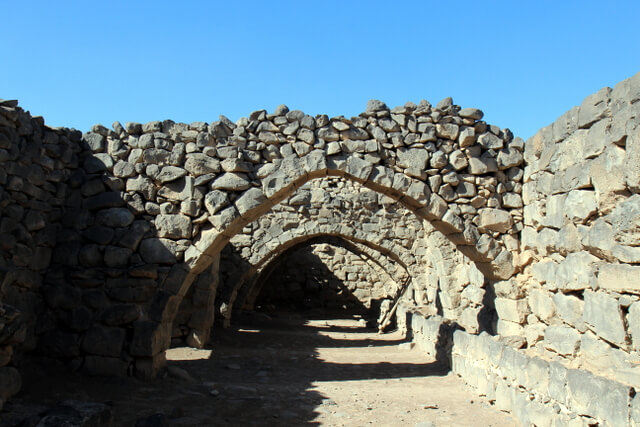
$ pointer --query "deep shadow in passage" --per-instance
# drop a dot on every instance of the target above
(265, 370)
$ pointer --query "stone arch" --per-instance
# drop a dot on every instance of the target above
(329, 205)
(485, 238)
(492, 259)
(176, 193)
(396, 266)
(395, 278)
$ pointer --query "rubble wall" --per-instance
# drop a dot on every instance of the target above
(103, 234)
(37, 167)
(149, 207)
(565, 346)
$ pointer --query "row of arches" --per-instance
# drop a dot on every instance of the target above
(400, 262)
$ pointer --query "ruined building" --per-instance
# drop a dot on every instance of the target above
(518, 260)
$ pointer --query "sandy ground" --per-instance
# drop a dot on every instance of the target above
(283, 372)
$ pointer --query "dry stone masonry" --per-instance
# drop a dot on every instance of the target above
(565, 351)
(514, 261)
(327, 275)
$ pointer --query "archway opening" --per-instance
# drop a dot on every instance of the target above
(325, 276)
(371, 227)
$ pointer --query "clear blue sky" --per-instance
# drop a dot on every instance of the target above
(78, 63)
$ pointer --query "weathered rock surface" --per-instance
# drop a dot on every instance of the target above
(134, 214)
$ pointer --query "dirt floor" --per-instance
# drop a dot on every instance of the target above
(285, 371)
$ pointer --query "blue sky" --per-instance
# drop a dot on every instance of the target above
(78, 63)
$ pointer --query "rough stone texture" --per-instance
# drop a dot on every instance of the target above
(602, 313)
(134, 201)
(553, 393)
(581, 237)
(136, 214)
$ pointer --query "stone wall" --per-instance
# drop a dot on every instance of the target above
(366, 222)
(564, 350)
(451, 285)
(140, 211)
(103, 234)
(538, 391)
(37, 166)
(326, 276)
(577, 300)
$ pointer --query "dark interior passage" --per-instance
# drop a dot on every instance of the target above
(324, 276)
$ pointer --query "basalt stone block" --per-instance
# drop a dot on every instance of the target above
(150, 338)
(110, 199)
(142, 185)
(98, 163)
(490, 141)
(512, 310)
(115, 217)
(576, 272)
(594, 107)
(509, 157)
(90, 256)
(173, 226)
(116, 257)
(60, 344)
(570, 309)
(249, 200)
(10, 382)
(598, 397)
(99, 234)
(134, 234)
(178, 190)
(482, 165)
(95, 142)
(562, 339)
(471, 113)
(494, 220)
(104, 341)
(155, 156)
(223, 219)
(447, 130)
(170, 173)
(413, 158)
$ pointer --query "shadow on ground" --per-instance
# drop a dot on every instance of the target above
(259, 373)
(263, 373)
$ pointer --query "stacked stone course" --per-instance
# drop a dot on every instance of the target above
(328, 276)
(102, 236)
(127, 218)
(370, 223)
(567, 328)
(35, 167)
